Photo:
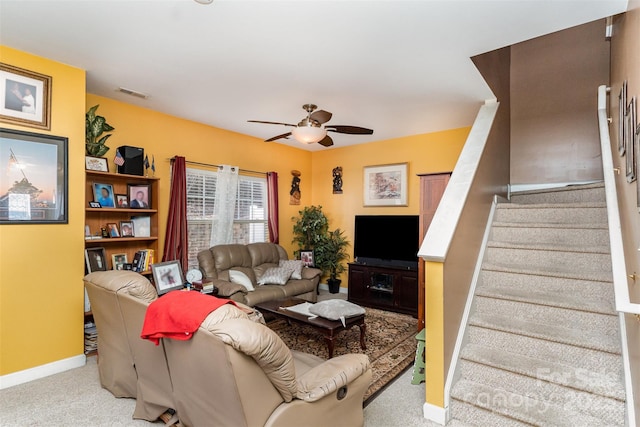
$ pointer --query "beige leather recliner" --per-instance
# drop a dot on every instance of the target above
(237, 373)
(128, 365)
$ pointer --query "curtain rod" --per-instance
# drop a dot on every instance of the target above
(216, 166)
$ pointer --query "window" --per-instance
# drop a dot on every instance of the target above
(250, 215)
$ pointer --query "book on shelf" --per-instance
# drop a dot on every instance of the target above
(142, 260)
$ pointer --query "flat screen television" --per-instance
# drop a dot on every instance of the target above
(387, 240)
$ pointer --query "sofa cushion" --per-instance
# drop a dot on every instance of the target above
(265, 253)
(328, 377)
(241, 278)
(334, 309)
(275, 276)
(228, 256)
(294, 265)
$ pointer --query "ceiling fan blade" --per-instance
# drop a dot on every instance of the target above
(271, 123)
(321, 116)
(353, 130)
(326, 141)
(284, 135)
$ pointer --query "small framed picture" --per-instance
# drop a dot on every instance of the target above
(112, 227)
(122, 201)
(306, 255)
(103, 194)
(25, 96)
(629, 140)
(94, 205)
(99, 164)
(118, 261)
(127, 266)
(168, 276)
(141, 226)
(139, 196)
(95, 259)
(126, 229)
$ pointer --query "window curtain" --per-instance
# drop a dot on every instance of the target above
(272, 206)
(225, 204)
(176, 238)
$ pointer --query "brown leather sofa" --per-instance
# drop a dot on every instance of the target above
(254, 260)
(237, 373)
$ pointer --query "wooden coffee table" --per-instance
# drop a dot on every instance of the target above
(328, 328)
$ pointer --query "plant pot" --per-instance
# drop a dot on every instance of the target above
(334, 285)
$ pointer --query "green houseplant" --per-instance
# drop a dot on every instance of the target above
(95, 126)
(310, 228)
(331, 254)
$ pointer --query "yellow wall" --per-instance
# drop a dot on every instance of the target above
(427, 153)
(165, 136)
(41, 266)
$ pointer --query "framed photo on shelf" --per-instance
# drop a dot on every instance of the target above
(122, 201)
(139, 196)
(385, 185)
(34, 178)
(629, 140)
(94, 205)
(103, 194)
(112, 227)
(25, 96)
(306, 255)
(118, 261)
(95, 259)
(167, 276)
(141, 226)
(126, 229)
(99, 164)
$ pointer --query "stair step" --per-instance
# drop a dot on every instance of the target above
(581, 248)
(549, 285)
(551, 299)
(590, 265)
(519, 407)
(606, 364)
(545, 373)
(458, 423)
(606, 324)
(472, 415)
(561, 333)
(568, 194)
(580, 213)
(555, 234)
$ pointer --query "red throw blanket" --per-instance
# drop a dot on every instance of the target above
(178, 314)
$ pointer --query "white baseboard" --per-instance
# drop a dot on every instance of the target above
(435, 413)
(42, 371)
(325, 287)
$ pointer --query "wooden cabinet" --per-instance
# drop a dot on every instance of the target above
(98, 218)
(432, 188)
(387, 288)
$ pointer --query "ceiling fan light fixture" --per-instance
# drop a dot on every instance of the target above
(309, 134)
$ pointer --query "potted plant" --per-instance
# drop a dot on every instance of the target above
(310, 228)
(95, 126)
(330, 255)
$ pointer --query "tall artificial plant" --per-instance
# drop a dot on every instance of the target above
(310, 227)
(95, 126)
(332, 253)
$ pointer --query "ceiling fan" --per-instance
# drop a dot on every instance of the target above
(310, 130)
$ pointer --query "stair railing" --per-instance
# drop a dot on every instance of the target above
(623, 299)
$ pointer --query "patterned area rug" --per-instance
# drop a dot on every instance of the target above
(390, 340)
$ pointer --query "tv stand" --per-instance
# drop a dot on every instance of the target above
(391, 288)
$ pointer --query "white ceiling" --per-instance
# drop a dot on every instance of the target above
(398, 67)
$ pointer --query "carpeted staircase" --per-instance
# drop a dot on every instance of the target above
(543, 343)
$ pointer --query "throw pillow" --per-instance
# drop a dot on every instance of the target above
(334, 309)
(241, 279)
(275, 276)
(295, 266)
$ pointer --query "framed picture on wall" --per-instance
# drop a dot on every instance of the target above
(622, 111)
(385, 185)
(34, 179)
(629, 140)
(25, 97)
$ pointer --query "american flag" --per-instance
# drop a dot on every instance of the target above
(118, 160)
